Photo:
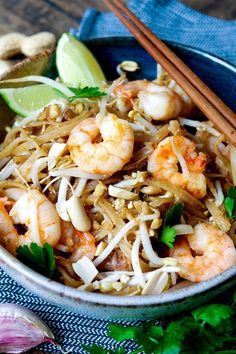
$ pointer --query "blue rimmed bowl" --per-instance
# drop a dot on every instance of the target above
(221, 77)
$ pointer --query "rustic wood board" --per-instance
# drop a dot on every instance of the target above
(30, 16)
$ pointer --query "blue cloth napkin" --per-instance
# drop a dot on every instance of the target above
(170, 20)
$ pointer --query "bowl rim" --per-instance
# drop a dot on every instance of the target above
(7, 261)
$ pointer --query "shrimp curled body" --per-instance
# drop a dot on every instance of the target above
(105, 157)
(215, 252)
(45, 222)
(8, 234)
(78, 243)
(157, 102)
(163, 163)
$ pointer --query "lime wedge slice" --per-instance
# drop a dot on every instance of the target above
(76, 65)
(24, 100)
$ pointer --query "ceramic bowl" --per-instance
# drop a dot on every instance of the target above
(221, 77)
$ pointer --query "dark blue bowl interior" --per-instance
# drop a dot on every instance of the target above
(218, 75)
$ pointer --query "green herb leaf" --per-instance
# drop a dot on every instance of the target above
(232, 192)
(86, 92)
(121, 333)
(229, 206)
(168, 235)
(41, 259)
(213, 314)
(211, 329)
(230, 202)
(173, 215)
(95, 349)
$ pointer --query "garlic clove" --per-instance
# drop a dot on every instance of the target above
(21, 329)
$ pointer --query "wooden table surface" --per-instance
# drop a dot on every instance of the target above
(32, 16)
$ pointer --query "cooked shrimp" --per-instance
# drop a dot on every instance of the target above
(163, 163)
(104, 157)
(215, 252)
(35, 211)
(9, 237)
(214, 145)
(78, 243)
(84, 246)
(157, 102)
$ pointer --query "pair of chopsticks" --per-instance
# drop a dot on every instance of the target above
(205, 99)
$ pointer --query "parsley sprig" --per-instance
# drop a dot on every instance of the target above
(41, 259)
(208, 329)
(230, 203)
(85, 92)
(172, 217)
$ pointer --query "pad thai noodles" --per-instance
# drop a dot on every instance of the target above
(132, 190)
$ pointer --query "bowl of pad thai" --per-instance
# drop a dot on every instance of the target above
(117, 196)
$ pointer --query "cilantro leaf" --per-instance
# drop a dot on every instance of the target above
(213, 314)
(121, 333)
(229, 206)
(172, 217)
(232, 192)
(168, 235)
(41, 259)
(86, 92)
(230, 202)
(95, 349)
(211, 329)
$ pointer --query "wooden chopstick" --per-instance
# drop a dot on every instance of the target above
(225, 122)
(182, 67)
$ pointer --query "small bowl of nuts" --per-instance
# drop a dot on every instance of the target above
(16, 46)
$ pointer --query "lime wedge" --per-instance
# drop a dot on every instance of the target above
(24, 100)
(76, 65)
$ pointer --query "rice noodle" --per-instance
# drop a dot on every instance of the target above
(140, 177)
(136, 263)
(219, 218)
(197, 124)
(7, 151)
(4, 161)
(50, 183)
(220, 195)
(39, 165)
(147, 246)
(181, 159)
(7, 170)
(146, 124)
(156, 284)
(179, 192)
(183, 229)
(114, 242)
(75, 172)
(137, 127)
(148, 275)
(34, 226)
